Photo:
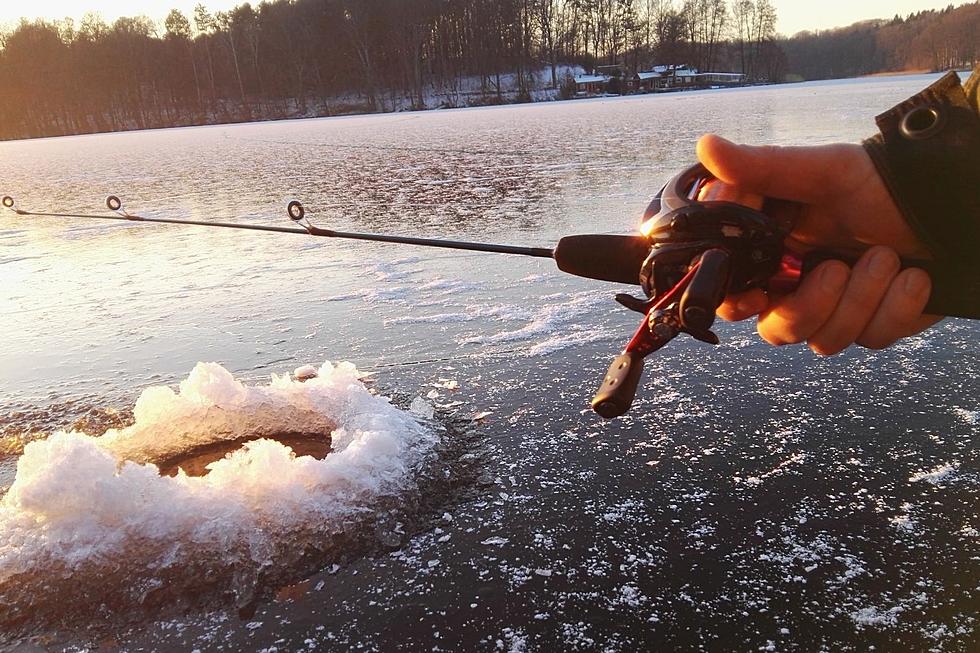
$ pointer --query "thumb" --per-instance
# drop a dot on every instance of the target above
(800, 174)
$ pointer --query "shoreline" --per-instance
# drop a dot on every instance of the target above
(511, 101)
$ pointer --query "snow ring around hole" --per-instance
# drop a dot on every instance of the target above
(90, 524)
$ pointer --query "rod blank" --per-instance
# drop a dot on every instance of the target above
(297, 214)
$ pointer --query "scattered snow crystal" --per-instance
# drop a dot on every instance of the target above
(936, 475)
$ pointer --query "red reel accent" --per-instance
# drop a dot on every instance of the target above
(644, 342)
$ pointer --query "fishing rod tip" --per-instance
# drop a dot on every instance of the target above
(8, 201)
(113, 203)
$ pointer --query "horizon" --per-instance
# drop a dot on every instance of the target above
(792, 16)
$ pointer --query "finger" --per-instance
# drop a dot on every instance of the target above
(802, 174)
(870, 280)
(717, 191)
(922, 323)
(797, 316)
(900, 312)
(744, 305)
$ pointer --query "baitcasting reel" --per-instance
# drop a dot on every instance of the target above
(698, 253)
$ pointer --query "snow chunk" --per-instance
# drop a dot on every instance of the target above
(305, 373)
(968, 416)
(936, 476)
(872, 616)
(422, 408)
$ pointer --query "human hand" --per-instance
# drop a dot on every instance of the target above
(841, 204)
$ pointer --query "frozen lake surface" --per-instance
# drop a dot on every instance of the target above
(754, 499)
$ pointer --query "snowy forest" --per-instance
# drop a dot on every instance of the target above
(292, 58)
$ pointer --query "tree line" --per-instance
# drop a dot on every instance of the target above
(926, 40)
(322, 57)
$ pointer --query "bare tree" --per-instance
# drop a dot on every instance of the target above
(205, 24)
(178, 32)
(229, 30)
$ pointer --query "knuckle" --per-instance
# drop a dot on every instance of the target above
(791, 332)
(770, 151)
(866, 292)
(825, 348)
(877, 346)
(879, 265)
(730, 312)
(769, 336)
(792, 323)
(794, 335)
(876, 342)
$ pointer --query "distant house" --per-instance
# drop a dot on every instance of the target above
(614, 80)
(682, 77)
(618, 81)
(721, 78)
(590, 84)
(648, 80)
(661, 77)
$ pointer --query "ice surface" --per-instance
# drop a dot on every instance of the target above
(92, 516)
(865, 422)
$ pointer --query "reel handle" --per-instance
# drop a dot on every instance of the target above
(618, 389)
(706, 292)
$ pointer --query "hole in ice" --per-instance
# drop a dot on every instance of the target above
(216, 494)
(195, 462)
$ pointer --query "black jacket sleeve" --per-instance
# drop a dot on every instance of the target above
(928, 153)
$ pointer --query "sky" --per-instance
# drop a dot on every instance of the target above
(794, 15)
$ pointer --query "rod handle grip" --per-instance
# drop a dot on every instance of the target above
(615, 395)
(950, 284)
(604, 257)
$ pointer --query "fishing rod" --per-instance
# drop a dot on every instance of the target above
(588, 255)
(297, 213)
(689, 255)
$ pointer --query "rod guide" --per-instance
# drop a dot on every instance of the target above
(295, 210)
